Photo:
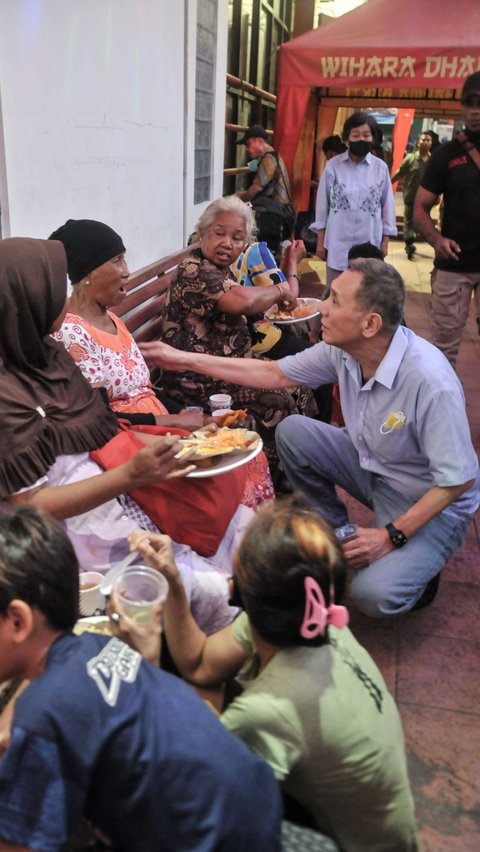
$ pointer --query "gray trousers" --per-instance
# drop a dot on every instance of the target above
(316, 457)
(451, 300)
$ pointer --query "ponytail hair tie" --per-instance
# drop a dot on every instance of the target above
(317, 615)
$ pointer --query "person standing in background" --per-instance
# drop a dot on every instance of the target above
(355, 201)
(332, 146)
(269, 193)
(454, 172)
(411, 170)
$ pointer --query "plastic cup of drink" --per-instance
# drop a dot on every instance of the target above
(91, 600)
(194, 409)
(138, 590)
(220, 400)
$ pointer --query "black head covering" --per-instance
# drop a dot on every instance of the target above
(47, 408)
(87, 244)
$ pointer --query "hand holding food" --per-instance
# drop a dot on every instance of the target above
(157, 551)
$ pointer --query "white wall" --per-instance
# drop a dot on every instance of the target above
(96, 106)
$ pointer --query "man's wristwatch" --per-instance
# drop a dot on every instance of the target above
(397, 537)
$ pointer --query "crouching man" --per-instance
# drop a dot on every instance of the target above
(101, 733)
(405, 451)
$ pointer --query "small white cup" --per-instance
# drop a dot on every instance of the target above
(92, 602)
(220, 412)
(220, 401)
(137, 590)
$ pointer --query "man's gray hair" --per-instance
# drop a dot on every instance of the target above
(228, 204)
(381, 290)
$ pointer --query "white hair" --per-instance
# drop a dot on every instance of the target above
(228, 204)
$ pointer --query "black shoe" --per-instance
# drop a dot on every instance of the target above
(429, 592)
(410, 249)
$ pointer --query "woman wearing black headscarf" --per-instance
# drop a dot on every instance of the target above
(50, 420)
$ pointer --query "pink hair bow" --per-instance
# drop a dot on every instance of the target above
(317, 615)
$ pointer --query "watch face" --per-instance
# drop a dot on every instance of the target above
(397, 537)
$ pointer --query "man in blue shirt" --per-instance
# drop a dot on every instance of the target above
(100, 733)
(405, 451)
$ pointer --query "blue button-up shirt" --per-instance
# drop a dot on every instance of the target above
(408, 422)
(355, 204)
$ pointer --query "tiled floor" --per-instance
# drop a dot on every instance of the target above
(431, 658)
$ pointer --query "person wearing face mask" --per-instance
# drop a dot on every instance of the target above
(454, 172)
(355, 201)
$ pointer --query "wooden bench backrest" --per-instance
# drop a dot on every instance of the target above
(142, 309)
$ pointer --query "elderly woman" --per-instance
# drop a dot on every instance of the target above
(99, 341)
(206, 312)
(315, 705)
(355, 201)
(51, 420)
(105, 351)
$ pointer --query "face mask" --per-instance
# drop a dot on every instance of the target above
(360, 147)
(253, 165)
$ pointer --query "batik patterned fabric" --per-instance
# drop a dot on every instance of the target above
(355, 204)
(193, 323)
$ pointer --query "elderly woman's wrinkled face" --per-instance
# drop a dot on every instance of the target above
(108, 281)
(224, 239)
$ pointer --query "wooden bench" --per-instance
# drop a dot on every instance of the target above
(142, 309)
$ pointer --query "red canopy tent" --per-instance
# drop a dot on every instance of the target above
(415, 54)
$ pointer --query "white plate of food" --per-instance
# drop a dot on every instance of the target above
(221, 451)
(93, 624)
(305, 310)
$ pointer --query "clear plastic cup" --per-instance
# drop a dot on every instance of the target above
(220, 400)
(138, 589)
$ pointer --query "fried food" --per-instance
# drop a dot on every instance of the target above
(239, 415)
(225, 440)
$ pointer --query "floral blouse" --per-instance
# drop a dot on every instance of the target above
(111, 360)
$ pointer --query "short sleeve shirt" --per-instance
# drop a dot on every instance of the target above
(192, 320)
(104, 734)
(111, 360)
(452, 173)
(269, 168)
(408, 422)
(347, 768)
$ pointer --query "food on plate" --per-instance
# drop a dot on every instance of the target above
(238, 415)
(304, 308)
(224, 440)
